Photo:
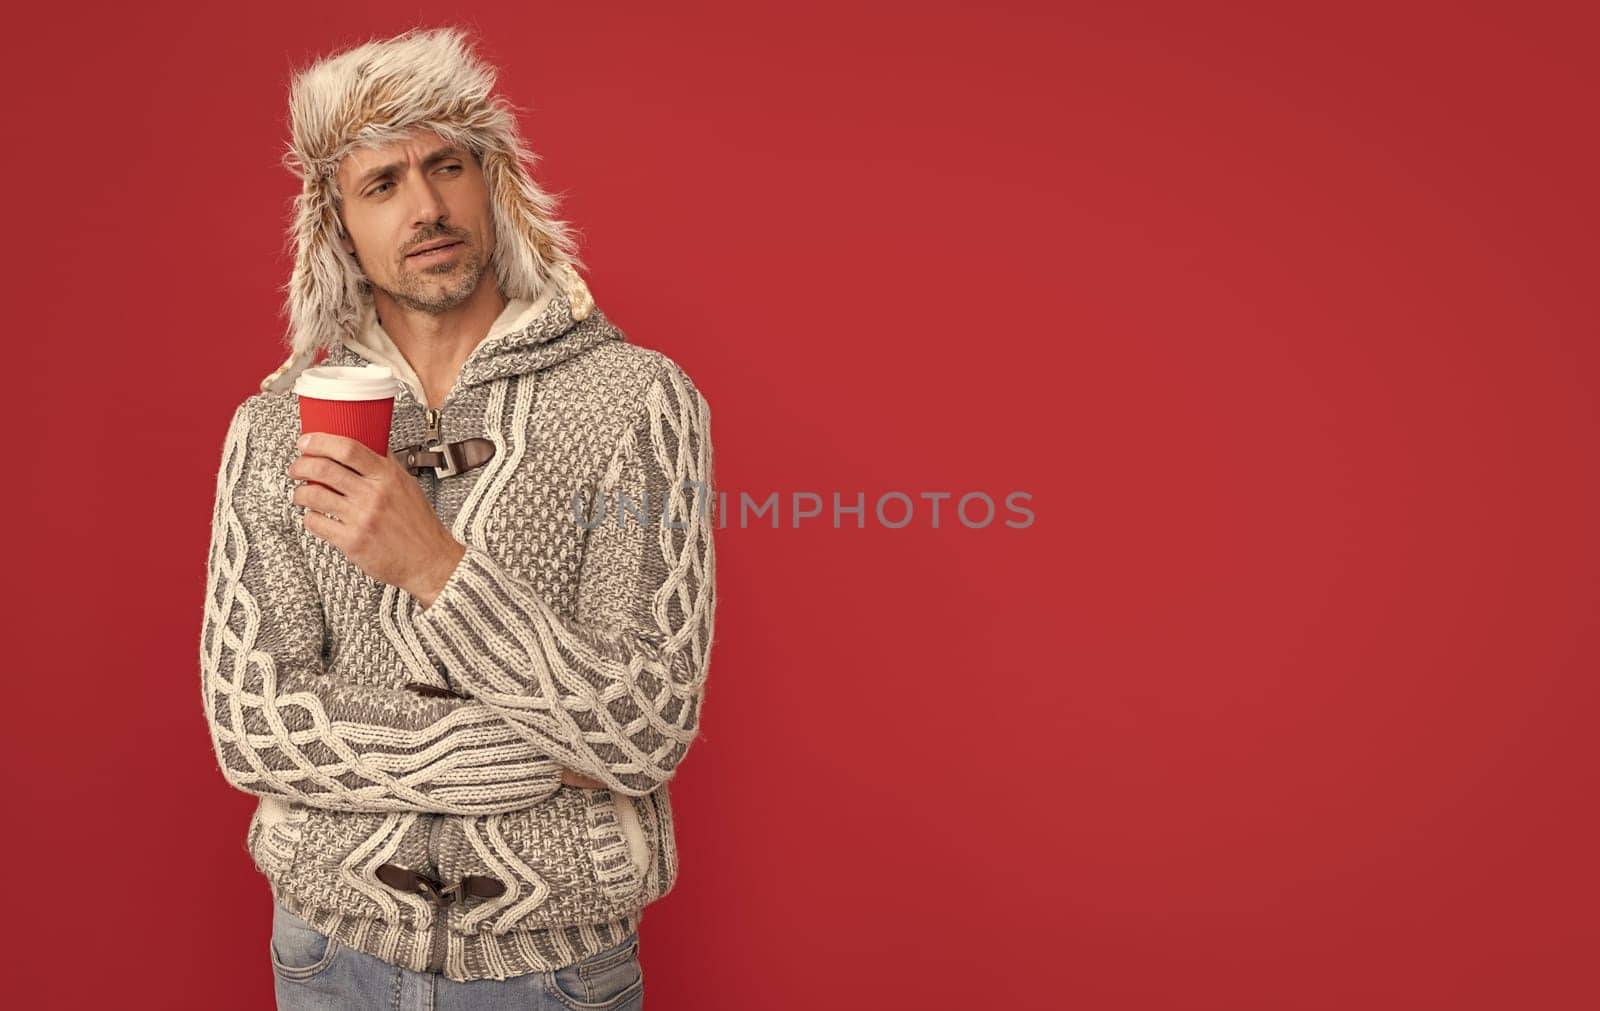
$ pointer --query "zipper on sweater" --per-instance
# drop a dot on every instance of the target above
(441, 919)
(432, 421)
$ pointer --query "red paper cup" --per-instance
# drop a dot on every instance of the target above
(357, 402)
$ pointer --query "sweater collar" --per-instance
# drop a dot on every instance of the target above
(527, 336)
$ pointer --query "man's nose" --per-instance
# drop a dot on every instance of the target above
(430, 206)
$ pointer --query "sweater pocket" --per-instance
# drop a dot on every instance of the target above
(617, 844)
(276, 829)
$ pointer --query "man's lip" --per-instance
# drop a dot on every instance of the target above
(435, 249)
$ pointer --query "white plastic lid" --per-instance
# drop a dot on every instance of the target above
(347, 382)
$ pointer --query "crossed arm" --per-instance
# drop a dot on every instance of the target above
(280, 727)
(616, 692)
(611, 698)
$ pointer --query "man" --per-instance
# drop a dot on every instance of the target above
(459, 676)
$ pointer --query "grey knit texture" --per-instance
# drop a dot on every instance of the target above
(579, 644)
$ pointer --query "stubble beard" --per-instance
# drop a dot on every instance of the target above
(418, 290)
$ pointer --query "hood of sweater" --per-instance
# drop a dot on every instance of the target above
(526, 337)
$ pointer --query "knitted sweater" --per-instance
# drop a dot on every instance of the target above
(582, 644)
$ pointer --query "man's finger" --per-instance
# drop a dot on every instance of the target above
(321, 499)
(320, 468)
(330, 530)
(573, 777)
(343, 449)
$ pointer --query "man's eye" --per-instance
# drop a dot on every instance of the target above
(377, 189)
(457, 168)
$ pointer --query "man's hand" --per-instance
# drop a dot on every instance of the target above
(573, 777)
(383, 523)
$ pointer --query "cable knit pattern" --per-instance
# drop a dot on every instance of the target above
(280, 728)
(616, 694)
(580, 646)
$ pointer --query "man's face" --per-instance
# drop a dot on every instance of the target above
(410, 194)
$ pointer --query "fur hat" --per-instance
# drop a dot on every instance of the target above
(376, 94)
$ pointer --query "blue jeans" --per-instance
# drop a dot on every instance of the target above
(312, 972)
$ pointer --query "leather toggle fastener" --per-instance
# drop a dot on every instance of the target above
(473, 885)
(447, 459)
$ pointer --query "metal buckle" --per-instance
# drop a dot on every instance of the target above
(453, 458)
(452, 454)
(440, 896)
(449, 894)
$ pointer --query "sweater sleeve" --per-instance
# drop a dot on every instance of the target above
(616, 692)
(280, 725)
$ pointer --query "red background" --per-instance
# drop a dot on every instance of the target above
(1286, 323)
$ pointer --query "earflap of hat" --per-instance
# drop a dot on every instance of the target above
(282, 378)
(327, 288)
(533, 247)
